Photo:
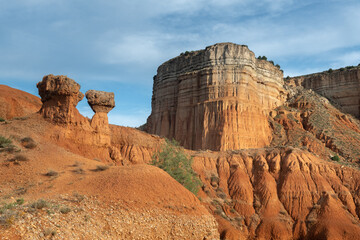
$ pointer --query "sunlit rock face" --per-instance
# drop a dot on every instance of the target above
(217, 98)
(341, 86)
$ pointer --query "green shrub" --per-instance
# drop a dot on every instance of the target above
(4, 142)
(335, 158)
(330, 70)
(2, 120)
(172, 159)
(278, 66)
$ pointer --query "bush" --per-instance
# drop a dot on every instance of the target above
(4, 142)
(40, 204)
(335, 158)
(100, 168)
(2, 120)
(330, 70)
(65, 210)
(51, 173)
(28, 143)
(278, 66)
(172, 159)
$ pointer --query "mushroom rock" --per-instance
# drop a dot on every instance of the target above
(101, 103)
(60, 95)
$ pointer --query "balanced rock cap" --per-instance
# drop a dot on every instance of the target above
(100, 101)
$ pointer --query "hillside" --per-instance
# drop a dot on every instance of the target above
(301, 182)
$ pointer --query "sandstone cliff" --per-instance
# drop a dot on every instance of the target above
(341, 86)
(217, 98)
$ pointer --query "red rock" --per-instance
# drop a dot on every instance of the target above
(218, 98)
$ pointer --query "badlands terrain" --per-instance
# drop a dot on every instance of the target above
(278, 157)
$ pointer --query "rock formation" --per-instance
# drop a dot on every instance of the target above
(282, 193)
(101, 103)
(60, 95)
(218, 98)
(341, 86)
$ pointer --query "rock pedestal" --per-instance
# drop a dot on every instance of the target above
(101, 103)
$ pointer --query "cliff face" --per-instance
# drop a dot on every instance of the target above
(342, 86)
(218, 98)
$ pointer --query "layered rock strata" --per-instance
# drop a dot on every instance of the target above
(217, 98)
(342, 86)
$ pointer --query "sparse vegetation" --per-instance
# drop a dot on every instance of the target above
(262, 58)
(79, 170)
(2, 120)
(28, 143)
(330, 70)
(65, 210)
(172, 159)
(40, 204)
(51, 173)
(335, 158)
(4, 142)
(100, 168)
(19, 158)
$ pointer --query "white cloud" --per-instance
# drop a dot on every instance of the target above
(131, 49)
(348, 59)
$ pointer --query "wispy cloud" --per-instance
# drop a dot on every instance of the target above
(118, 45)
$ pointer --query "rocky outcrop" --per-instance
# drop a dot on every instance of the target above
(15, 103)
(281, 193)
(60, 95)
(341, 86)
(217, 98)
(308, 120)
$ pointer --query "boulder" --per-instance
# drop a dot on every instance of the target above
(100, 101)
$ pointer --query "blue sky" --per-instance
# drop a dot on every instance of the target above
(117, 45)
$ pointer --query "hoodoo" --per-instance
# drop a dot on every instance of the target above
(60, 95)
(217, 98)
(101, 103)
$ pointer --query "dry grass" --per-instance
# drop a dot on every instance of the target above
(28, 143)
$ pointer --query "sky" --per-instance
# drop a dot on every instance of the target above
(117, 45)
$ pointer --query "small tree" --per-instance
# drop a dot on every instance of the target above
(173, 160)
